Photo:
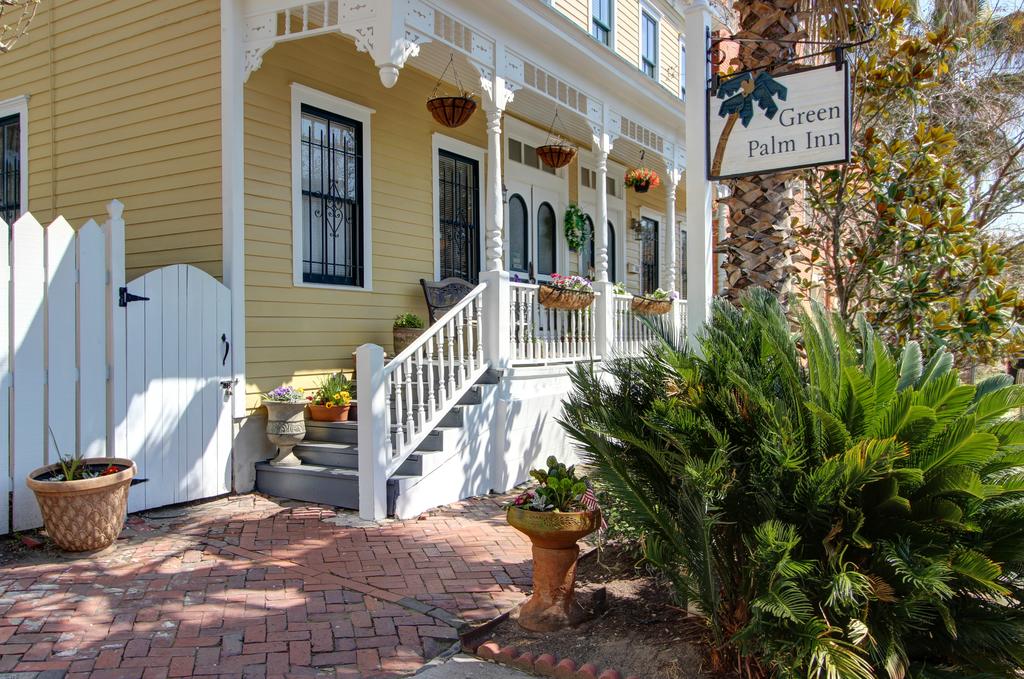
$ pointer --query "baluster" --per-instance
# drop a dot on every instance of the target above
(470, 344)
(478, 306)
(514, 324)
(396, 379)
(563, 333)
(410, 402)
(460, 346)
(442, 390)
(449, 331)
(529, 309)
(387, 414)
(431, 394)
(421, 397)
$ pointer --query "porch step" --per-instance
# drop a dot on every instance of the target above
(348, 433)
(333, 486)
(346, 456)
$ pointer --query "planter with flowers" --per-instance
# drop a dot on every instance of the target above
(570, 293)
(554, 516)
(406, 329)
(83, 500)
(286, 422)
(332, 400)
(654, 304)
(642, 179)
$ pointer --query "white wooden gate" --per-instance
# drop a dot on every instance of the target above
(178, 428)
(79, 370)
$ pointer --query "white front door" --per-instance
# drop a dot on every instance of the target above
(533, 223)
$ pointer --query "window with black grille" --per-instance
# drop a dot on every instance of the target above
(332, 198)
(459, 208)
(10, 168)
(648, 255)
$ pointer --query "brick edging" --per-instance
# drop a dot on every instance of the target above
(545, 664)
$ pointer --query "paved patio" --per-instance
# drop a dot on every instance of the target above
(255, 587)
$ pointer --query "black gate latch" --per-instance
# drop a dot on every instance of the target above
(123, 297)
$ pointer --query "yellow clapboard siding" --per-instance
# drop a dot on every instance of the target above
(577, 11)
(134, 114)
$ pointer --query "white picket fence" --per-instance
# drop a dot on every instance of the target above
(66, 381)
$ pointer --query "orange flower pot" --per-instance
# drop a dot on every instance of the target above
(329, 413)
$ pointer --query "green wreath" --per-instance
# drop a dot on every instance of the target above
(575, 227)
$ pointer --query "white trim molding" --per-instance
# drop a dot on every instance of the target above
(301, 94)
(19, 106)
(441, 142)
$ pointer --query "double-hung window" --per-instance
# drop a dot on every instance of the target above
(601, 21)
(331, 193)
(682, 70)
(648, 44)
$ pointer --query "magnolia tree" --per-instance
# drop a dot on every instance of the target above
(898, 234)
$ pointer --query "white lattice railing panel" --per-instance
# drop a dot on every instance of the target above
(543, 335)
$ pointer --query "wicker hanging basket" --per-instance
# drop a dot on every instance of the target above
(648, 306)
(563, 298)
(556, 155)
(451, 111)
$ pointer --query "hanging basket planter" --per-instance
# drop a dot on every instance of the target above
(556, 155)
(649, 306)
(451, 111)
(553, 297)
(642, 179)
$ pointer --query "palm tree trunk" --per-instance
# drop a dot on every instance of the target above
(759, 244)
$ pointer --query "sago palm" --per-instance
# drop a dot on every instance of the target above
(826, 509)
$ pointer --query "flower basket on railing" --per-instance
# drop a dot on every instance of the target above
(569, 293)
(657, 303)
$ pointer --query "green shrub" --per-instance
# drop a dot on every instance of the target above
(831, 511)
(408, 320)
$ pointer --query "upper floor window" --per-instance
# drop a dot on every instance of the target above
(10, 168)
(682, 70)
(648, 44)
(601, 21)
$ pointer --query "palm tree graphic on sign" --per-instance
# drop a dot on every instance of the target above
(740, 93)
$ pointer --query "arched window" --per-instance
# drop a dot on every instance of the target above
(547, 240)
(518, 235)
(613, 273)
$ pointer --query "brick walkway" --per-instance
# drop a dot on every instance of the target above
(253, 587)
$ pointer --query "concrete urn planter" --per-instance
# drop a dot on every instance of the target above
(553, 605)
(286, 427)
(86, 514)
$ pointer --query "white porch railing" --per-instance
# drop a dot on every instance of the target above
(542, 335)
(633, 335)
(401, 402)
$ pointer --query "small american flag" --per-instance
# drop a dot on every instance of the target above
(589, 501)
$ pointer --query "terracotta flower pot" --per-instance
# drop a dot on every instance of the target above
(286, 427)
(84, 515)
(553, 606)
(329, 413)
(403, 337)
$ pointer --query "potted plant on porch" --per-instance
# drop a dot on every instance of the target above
(554, 516)
(566, 292)
(406, 329)
(286, 422)
(332, 400)
(83, 500)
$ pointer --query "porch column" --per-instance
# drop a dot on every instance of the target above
(604, 318)
(672, 177)
(699, 258)
(497, 339)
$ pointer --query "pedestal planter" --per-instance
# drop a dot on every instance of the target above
(563, 298)
(553, 605)
(329, 414)
(87, 514)
(286, 427)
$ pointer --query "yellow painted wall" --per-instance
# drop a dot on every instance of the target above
(125, 103)
(578, 11)
(296, 334)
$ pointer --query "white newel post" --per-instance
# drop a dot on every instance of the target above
(604, 305)
(699, 257)
(497, 330)
(372, 431)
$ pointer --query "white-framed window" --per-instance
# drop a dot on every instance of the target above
(650, 30)
(331, 189)
(602, 21)
(13, 158)
(459, 208)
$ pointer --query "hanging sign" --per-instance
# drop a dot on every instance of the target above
(760, 124)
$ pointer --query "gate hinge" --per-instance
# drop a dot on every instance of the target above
(123, 297)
